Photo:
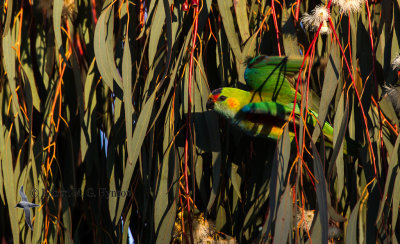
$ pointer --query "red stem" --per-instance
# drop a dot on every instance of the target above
(94, 11)
(276, 26)
(307, 91)
(194, 35)
(375, 79)
(299, 80)
(297, 10)
(357, 94)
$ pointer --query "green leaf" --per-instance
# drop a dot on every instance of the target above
(236, 179)
(57, 12)
(67, 221)
(340, 137)
(393, 162)
(227, 21)
(320, 185)
(9, 66)
(39, 218)
(7, 23)
(126, 226)
(138, 137)
(127, 82)
(339, 117)
(31, 90)
(9, 180)
(332, 76)
(396, 201)
(278, 177)
(351, 231)
(242, 20)
(284, 217)
(156, 30)
(103, 39)
(166, 202)
(289, 38)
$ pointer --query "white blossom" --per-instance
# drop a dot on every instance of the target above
(393, 92)
(306, 222)
(396, 62)
(318, 15)
(349, 6)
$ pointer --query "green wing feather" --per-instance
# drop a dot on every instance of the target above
(264, 119)
(273, 114)
(263, 71)
(266, 112)
(273, 79)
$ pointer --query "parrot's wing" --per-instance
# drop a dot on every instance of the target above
(266, 113)
(274, 114)
(268, 72)
(277, 114)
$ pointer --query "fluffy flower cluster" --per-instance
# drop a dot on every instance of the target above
(393, 92)
(305, 223)
(348, 6)
(396, 62)
(318, 15)
(68, 8)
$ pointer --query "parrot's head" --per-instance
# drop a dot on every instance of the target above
(228, 101)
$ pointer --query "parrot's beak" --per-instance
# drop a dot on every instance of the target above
(210, 102)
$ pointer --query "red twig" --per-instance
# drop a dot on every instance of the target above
(375, 78)
(194, 35)
(357, 94)
(297, 10)
(298, 82)
(307, 91)
(276, 26)
(93, 2)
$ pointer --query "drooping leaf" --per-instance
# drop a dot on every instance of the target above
(321, 195)
(278, 177)
(284, 217)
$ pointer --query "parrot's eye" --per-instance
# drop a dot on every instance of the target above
(221, 98)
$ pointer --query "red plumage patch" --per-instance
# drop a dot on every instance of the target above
(215, 96)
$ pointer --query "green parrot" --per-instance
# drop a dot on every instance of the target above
(264, 109)
(255, 116)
